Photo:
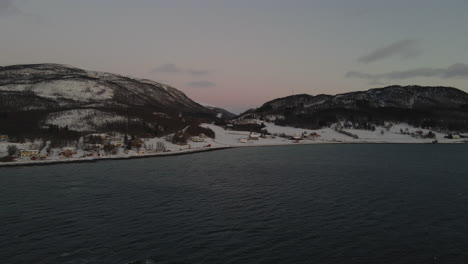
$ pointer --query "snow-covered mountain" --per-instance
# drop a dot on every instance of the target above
(53, 94)
(435, 106)
(63, 86)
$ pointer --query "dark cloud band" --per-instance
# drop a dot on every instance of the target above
(407, 48)
(458, 70)
(174, 69)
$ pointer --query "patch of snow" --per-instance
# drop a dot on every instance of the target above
(77, 90)
(83, 119)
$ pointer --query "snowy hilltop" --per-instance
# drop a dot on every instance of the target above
(42, 96)
(436, 107)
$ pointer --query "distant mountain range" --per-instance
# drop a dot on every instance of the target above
(43, 98)
(442, 107)
(37, 96)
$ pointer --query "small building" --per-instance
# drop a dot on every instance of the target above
(116, 143)
(313, 135)
(136, 143)
(197, 139)
(296, 138)
(66, 154)
(3, 138)
(203, 136)
(70, 149)
(28, 153)
(38, 157)
(254, 136)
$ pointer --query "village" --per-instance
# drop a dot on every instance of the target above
(101, 146)
(94, 146)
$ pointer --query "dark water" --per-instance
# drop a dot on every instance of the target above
(297, 204)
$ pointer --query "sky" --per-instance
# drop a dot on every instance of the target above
(238, 54)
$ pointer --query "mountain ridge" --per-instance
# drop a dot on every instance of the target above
(48, 94)
(446, 107)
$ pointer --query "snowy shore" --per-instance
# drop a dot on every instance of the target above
(234, 139)
(95, 159)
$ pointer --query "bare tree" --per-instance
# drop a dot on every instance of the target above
(12, 150)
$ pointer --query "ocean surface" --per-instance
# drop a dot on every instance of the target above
(290, 204)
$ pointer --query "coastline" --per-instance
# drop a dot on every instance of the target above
(191, 151)
(87, 160)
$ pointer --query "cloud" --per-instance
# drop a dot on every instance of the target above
(170, 68)
(167, 68)
(198, 72)
(7, 7)
(201, 84)
(458, 70)
(407, 48)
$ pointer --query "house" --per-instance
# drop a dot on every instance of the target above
(69, 149)
(254, 136)
(38, 157)
(405, 132)
(67, 153)
(387, 125)
(3, 138)
(136, 143)
(430, 134)
(197, 139)
(314, 135)
(296, 138)
(28, 153)
(116, 143)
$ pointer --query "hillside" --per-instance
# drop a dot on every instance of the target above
(51, 96)
(442, 107)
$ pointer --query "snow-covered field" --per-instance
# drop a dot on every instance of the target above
(229, 138)
(326, 135)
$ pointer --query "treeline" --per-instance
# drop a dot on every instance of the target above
(25, 100)
(440, 119)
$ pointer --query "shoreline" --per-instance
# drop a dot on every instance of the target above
(192, 151)
(88, 160)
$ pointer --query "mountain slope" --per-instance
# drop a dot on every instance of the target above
(431, 106)
(224, 113)
(65, 86)
(40, 95)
